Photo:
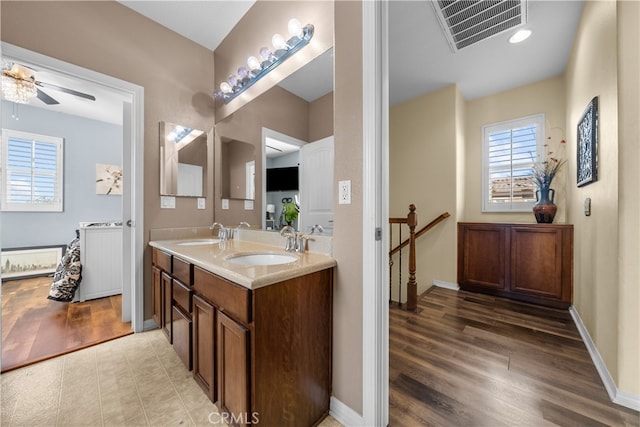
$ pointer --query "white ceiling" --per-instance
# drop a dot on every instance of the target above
(421, 61)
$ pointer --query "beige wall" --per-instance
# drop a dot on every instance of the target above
(347, 238)
(114, 40)
(629, 196)
(546, 97)
(604, 63)
(422, 171)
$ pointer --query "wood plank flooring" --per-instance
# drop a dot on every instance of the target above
(35, 328)
(475, 360)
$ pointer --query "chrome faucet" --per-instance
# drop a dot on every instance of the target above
(243, 224)
(317, 227)
(223, 233)
(290, 234)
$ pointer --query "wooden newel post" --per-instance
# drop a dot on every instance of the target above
(412, 285)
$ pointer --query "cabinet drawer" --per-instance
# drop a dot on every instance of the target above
(183, 271)
(182, 295)
(229, 298)
(162, 260)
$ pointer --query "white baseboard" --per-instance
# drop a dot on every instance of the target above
(149, 324)
(344, 414)
(618, 397)
(446, 285)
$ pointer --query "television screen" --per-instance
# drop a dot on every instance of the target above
(282, 179)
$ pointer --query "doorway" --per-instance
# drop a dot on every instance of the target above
(131, 98)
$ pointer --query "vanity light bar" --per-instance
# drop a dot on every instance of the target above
(256, 69)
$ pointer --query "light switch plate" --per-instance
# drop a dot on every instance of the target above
(248, 205)
(201, 203)
(167, 202)
(344, 192)
(225, 204)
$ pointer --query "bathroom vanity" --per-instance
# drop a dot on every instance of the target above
(257, 336)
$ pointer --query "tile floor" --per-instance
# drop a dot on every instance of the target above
(137, 380)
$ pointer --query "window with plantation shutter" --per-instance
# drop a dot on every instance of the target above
(509, 150)
(31, 172)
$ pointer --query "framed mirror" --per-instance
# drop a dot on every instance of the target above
(183, 161)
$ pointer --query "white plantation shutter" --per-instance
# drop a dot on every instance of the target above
(31, 172)
(509, 150)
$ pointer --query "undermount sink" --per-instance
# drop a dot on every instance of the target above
(199, 242)
(261, 258)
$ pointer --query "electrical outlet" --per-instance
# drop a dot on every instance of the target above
(344, 192)
(248, 205)
(201, 202)
(225, 204)
(167, 202)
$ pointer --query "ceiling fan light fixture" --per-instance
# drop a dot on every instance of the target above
(283, 50)
(18, 90)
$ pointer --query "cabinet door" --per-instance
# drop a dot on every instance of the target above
(167, 296)
(537, 261)
(204, 346)
(156, 296)
(482, 256)
(181, 329)
(233, 368)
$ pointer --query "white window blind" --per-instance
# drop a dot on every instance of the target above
(509, 150)
(32, 168)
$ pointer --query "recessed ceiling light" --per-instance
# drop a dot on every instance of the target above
(519, 36)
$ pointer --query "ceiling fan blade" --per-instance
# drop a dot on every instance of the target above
(66, 90)
(46, 98)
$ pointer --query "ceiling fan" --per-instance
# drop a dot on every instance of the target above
(19, 85)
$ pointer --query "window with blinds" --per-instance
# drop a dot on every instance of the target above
(31, 172)
(509, 150)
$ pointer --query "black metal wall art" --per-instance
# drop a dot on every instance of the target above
(588, 145)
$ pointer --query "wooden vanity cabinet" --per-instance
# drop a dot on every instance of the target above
(204, 355)
(161, 290)
(528, 262)
(272, 347)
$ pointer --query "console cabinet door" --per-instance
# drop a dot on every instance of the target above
(233, 368)
(538, 261)
(204, 346)
(181, 328)
(156, 296)
(482, 256)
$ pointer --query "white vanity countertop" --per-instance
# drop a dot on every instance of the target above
(213, 258)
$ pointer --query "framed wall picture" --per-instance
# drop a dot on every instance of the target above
(19, 263)
(588, 145)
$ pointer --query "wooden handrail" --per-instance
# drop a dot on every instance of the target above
(419, 233)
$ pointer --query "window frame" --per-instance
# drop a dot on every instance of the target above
(539, 121)
(5, 204)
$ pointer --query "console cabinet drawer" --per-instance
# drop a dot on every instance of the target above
(229, 298)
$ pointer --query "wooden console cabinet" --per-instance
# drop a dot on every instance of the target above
(528, 262)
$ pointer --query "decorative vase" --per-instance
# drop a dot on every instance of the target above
(544, 209)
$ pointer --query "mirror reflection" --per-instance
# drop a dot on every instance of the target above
(183, 161)
(239, 169)
(296, 113)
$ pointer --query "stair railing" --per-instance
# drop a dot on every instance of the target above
(412, 221)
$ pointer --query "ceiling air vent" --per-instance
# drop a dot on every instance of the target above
(466, 22)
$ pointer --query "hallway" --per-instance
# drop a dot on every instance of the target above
(475, 360)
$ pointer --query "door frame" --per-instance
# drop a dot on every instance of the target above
(133, 156)
(375, 213)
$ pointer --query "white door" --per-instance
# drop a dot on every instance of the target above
(316, 185)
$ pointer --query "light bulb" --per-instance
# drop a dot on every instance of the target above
(295, 28)
(278, 42)
(253, 63)
(232, 80)
(225, 87)
(520, 36)
(243, 73)
(265, 53)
